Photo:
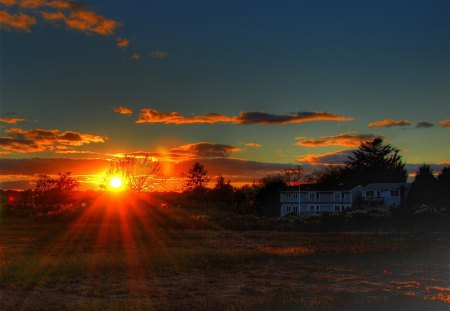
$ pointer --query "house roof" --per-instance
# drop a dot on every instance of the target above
(387, 186)
(319, 187)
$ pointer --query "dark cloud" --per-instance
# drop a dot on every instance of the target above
(337, 157)
(38, 140)
(205, 150)
(389, 123)
(346, 140)
(149, 115)
(424, 124)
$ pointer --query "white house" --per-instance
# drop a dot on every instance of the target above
(316, 198)
(385, 194)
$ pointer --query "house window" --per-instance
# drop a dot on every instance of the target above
(336, 208)
(311, 195)
(394, 193)
(369, 193)
(311, 208)
(336, 195)
(317, 195)
(342, 195)
(378, 194)
(288, 208)
(317, 208)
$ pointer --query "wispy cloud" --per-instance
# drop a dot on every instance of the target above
(123, 110)
(424, 124)
(11, 120)
(40, 140)
(389, 123)
(159, 54)
(345, 139)
(122, 42)
(253, 145)
(148, 115)
(331, 158)
(445, 123)
(18, 21)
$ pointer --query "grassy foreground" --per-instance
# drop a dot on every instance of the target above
(140, 255)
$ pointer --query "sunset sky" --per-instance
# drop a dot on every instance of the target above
(246, 87)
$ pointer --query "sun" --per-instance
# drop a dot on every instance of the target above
(116, 183)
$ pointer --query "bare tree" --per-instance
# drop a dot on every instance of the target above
(294, 175)
(137, 173)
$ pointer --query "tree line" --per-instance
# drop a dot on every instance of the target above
(373, 162)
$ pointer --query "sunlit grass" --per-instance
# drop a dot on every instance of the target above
(131, 253)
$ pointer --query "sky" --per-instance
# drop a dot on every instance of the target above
(246, 87)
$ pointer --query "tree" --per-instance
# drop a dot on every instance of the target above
(294, 175)
(374, 162)
(222, 191)
(444, 178)
(55, 192)
(196, 178)
(330, 175)
(268, 197)
(137, 173)
(424, 188)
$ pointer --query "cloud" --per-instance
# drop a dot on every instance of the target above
(18, 21)
(299, 117)
(12, 120)
(337, 157)
(148, 115)
(39, 140)
(253, 145)
(346, 140)
(389, 123)
(136, 56)
(122, 42)
(424, 124)
(204, 150)
(445, 123)
(8, 2)
(74, 15)
(159, 54)
(123, 110)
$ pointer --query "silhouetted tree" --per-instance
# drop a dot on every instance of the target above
(55, 192)
(294, 175)
(222, 191)
(374, 162)
(444, 187)
(444, 178)
(244, 199)
(268, 196)
(196, 178)
(330, 175)
(424, 189)
(137, 173)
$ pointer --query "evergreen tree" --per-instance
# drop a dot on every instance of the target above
(374, 162)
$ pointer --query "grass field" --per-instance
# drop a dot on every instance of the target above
(138, 255)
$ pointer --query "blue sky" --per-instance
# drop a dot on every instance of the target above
(370, 61)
